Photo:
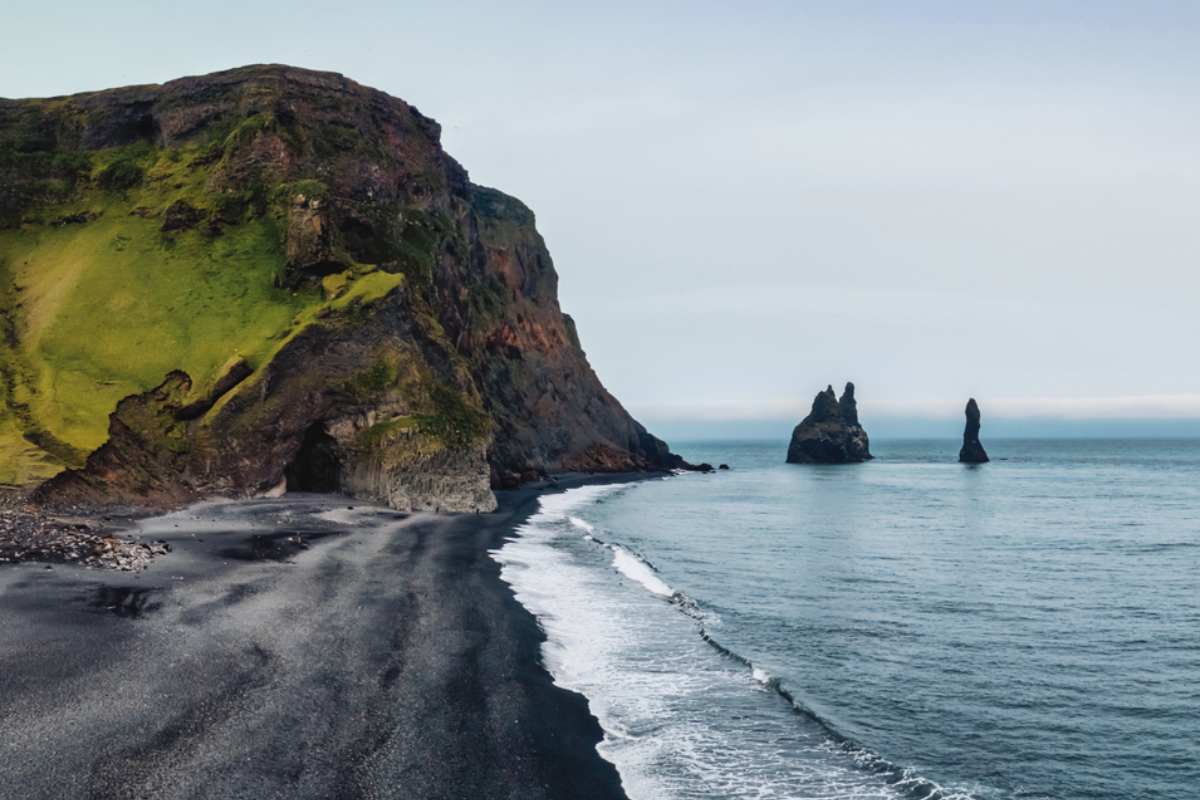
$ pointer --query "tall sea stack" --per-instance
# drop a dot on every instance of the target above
(831, 433)
(972, 451)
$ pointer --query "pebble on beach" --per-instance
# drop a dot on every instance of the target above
(26, 536)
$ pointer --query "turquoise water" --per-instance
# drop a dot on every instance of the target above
(911, 627)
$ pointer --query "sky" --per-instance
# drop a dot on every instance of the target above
(748, 201)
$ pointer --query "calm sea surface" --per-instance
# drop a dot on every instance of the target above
(907, 628)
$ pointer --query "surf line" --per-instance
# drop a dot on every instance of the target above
(642, 571)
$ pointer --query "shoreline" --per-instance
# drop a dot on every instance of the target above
(105, 536)
(302, 647)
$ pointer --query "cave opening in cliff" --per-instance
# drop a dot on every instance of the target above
(316, 466)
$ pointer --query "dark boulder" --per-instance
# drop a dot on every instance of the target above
(81, 218)
(831, 433)
(972, 451)
(180, 216)
(723, 466)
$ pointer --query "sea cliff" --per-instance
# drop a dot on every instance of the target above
(270, 277)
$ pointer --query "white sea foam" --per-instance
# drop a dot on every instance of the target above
(582, 524)
(635, 569)
(661, 693)
(627, 563)
(761, 675)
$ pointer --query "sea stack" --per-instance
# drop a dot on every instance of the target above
(972, 451)
(831, 433)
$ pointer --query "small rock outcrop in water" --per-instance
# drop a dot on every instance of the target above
(972, 451)
(831, 433)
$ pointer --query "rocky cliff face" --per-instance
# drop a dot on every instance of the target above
(972, 451)
(271, 274)
(831, 433)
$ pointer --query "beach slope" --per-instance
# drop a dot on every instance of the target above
(304, 647)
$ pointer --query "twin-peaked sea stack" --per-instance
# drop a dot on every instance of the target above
(831, 433)
(972, 451)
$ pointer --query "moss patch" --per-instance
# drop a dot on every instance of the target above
(104, 308)
(455, 421)
(100, 302)
(333, 286)
(367, 289)
(381, 434)
(112, 306)
(120, 175)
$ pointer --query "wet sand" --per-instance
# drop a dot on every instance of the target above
(290, 648)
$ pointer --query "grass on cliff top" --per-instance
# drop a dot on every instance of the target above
(106, 308)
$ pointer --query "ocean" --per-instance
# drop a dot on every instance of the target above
(906, 628)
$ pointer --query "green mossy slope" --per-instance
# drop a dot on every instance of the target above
(103, 303)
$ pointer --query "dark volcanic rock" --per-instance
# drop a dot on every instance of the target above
(849, 406)
(831, 433)
(180, 216)
(29, 536)
(312, 241)
(81, 218)
(972, 451)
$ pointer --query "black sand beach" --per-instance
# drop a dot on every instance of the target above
(292, 648)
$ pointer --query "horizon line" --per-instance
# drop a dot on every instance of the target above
(1181, 407)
